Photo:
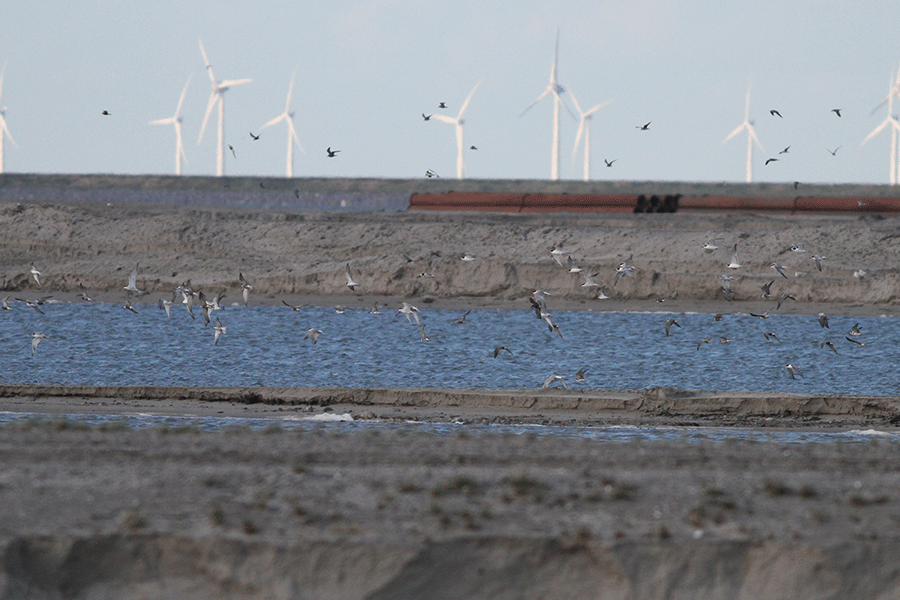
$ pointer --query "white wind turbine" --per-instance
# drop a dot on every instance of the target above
(176, 121)
(288, 117)
(217, 95)
(751, 137)
(4, 130)
(459, 122)
(584, 127)
(893, 90)
(555, 89)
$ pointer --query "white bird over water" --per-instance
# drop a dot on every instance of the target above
(247, 288)
(791, 369)
(313, 334)
(6, 304)
(36, 274)
(553, 378)
(350, 283)
(220, 330)
(540, 297)
(410, 311)
(734, 264)
(35, 340)
(131, 288)
(166, 305)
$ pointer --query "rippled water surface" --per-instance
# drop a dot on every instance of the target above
(103, 344)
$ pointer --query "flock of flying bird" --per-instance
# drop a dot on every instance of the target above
(191, 298)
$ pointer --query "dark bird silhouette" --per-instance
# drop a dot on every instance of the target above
(823, 320)
(796, 183)
(782, 298)
(609, 163)
(830, 345)
(472, 148)
(106, 113)
(834, 152)
(442, 105)
(644, 127)
(771, 336)
(426, 117)
(785, 151)
(499, 348)
(331, 153)
(768, 160)
(669, 323)
(767, 289)
(297, 193)
(854, 341)
(836, 111)
(255, 137)
(230, 147)
(775, 113)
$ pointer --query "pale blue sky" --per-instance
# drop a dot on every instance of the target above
(366, 70)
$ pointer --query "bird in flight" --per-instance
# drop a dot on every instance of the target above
(350, 283)
(705, 340)
(426, 117)
(855, 330)
(255, 137)
(644, 127)
(823, 320)
(734, 264)
(771, 336)
(128, 306)
(782, 298)
(220, 330)
(830, 345)
(35, 340)
(768, 160)
(331, 153)
(246, 286)
(609, 163)
(785, 151)
(767, 289)
(230, 147)
(292, 307)
(775, 113)
(553, 378)
(669, 323)
(779, 268)
(106, 113)
(579, 374)
(499, 348)
(36, 274)
(313, 334)
(818, 258)
(791, 369)
(834, 152)
(442, 105)
(462, 320)
(131, 288)
(860, 344)
(710, 245)
(836, 111)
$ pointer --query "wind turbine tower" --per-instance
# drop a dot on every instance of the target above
(4, 130)
(751, 137)
(554, 89)
(288, 117)
(217, 95)
(176, 121)
(584, 127)
(459, 122)
(893, 90)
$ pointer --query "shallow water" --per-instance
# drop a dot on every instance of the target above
(345, 424)
(102, 344)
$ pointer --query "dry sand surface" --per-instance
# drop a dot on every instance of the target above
(391, 512)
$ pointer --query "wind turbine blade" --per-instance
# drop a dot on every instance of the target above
(578, 137)
(163, 121)
(553, 68)
(213, 97)
(566, 106)
(274, 121)
(290, 124)
(2, 73)
(287, 104)
(466, 103)
(206, 63)
(736, 131)
(539, 98)
(445, 119)
(877, 130)
(233, 82)
(595, 109)
(5, 129)
(575, 102)
(181, 98)
(752, 134)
